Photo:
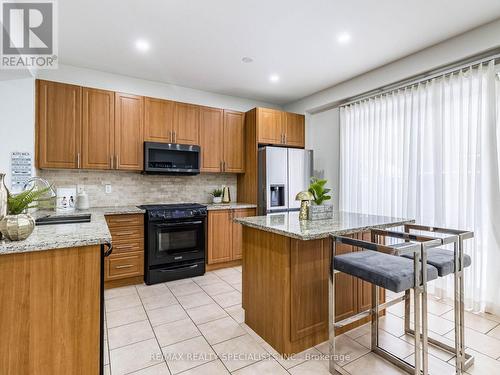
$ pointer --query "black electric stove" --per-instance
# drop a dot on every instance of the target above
(175, 241)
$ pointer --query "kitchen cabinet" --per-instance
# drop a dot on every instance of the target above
(264, 126)
(58, 125)
(87, 128)
(222, 140)
(234, 142)
(98, 117)
(158, 120)
(269, 126)
(51, 310)
(212, 139)
(237, 231)
(224, 235)
(129, 133)
(186, 128)
(280, 128)
(294, 129)
(220, 236)
(127, 258)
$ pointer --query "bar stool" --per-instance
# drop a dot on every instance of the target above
(382, 266)
(447, 262)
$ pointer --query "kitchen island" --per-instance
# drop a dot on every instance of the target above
(285, 275)
(51, 291)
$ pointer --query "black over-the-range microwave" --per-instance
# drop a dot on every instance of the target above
(171, 158)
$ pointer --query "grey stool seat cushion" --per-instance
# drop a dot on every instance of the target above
(443, 260)
(387, 271)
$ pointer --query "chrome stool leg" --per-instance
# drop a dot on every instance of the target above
(463, 361)
(331, 315)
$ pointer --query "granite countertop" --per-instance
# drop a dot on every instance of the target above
(343, 223)
(229, 206)
(58, 236)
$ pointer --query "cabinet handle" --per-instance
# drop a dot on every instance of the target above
(220, 166)
(111, 161)
(117, 160)
(284, 138)
(124, 266)
(175, 137)
(78, 160)
(224, 166)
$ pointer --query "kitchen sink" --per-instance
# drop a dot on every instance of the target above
(63, 219)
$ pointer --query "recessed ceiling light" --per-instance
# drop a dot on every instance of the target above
(274, 78)
(344, 38)
(247, 59)
(142, 45)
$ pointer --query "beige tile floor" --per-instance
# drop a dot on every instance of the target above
(196, 326)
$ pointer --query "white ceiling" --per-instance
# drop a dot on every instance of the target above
(200, 43)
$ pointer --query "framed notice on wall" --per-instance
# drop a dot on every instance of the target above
(21, 166)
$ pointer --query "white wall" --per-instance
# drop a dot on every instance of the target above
(17, 131)
(114, 82)
(462, 46)
(323, 136)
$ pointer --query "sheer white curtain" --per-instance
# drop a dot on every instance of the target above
(429, 152)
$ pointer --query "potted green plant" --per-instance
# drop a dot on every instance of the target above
(318, 210)
(216, 195)
(17, 225)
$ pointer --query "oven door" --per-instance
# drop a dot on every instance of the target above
(177, 242)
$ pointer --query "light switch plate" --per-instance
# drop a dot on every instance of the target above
(108, 189)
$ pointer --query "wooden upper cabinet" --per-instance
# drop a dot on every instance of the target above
(220, 231)
(211, 139)
(269, 126)
(234, 142)
(129, 132)
(294, 129)
(59, 125)
(186, 124)
(98, 116)
(158, 120)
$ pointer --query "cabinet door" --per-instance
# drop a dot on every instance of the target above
(158, 120)
(234, 142)
(269, 126)
(219, 236)
(294, 129)
(346, 290)
(211, 139)
(98, 129)
(238, 231)
(129, 132)
(59, 125)
(187, 124)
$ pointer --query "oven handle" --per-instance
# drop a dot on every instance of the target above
(179, 224)
(180, 268)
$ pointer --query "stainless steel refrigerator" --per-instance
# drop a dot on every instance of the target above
(283, 172)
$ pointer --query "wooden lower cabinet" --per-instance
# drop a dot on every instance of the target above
(224, 235)
(127, 258)
(50, 314)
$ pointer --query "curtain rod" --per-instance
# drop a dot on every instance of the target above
(472, 61)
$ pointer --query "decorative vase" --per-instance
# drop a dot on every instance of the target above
(17, 227)
(3, 199)
(217, 200)
(321, 212)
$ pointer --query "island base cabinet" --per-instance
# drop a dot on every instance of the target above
(50, 314)
(285, 290)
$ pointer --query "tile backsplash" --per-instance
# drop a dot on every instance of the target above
(133, 188)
